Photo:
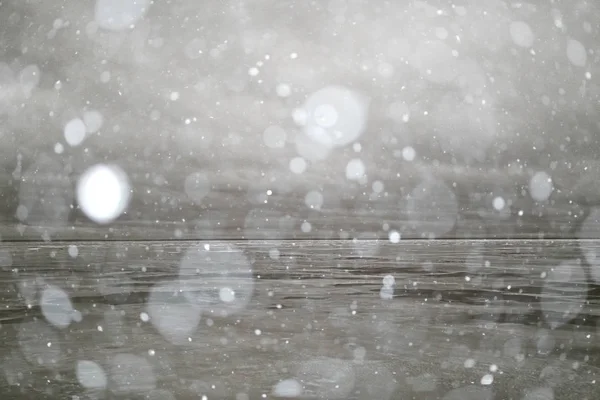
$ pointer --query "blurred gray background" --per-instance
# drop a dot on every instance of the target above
(287, 199)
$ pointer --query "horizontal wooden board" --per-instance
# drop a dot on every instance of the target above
(335, 319)
(477, 121)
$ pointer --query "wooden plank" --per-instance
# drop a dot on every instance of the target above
(177, 98)
(343, 319)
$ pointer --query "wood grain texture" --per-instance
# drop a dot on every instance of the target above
(315, 311)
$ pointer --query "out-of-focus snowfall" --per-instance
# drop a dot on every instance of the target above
(338, 119)
(260, 120)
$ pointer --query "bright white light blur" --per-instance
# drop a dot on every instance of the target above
(499, 203)
(119, 15)
(540, 186)
(74, 132)
(103, 193)
(355, 169)
(333, 116)
(409, 153)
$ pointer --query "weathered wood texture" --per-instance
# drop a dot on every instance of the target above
(462, 110)
(227, 319)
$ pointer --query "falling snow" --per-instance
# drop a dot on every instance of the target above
(332, 200)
